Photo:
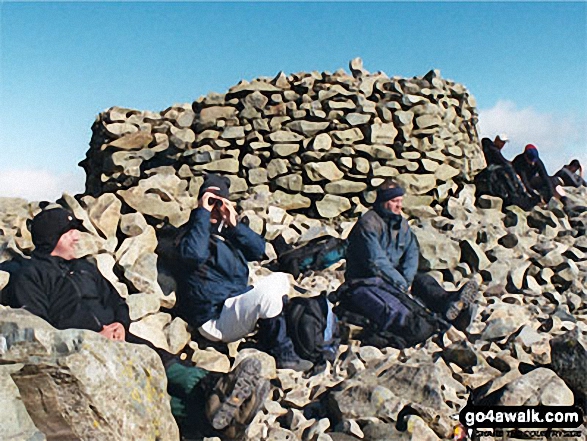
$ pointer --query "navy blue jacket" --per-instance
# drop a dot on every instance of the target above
(381, 246)
(216, 266)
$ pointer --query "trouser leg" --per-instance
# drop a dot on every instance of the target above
(430, 293)
(378, 304)
(240, 314)
(189, 388)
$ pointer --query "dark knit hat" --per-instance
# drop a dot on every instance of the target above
(49, 225)
(212, 180)
(387, 194)
(531, 152)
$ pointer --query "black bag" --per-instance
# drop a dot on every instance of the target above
(313, 328)
(502, 182)
(317, 254)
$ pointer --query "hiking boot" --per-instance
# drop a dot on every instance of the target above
(465, 318)
(465, 298)
(236, 398)
(291, 360)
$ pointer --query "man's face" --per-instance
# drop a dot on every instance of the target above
(394, 205)
(66, 246)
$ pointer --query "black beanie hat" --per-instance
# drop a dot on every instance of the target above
(211, 180)
(49, 225)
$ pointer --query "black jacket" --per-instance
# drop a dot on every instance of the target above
(215, 266)
(493, 155)
(529, 172)
(66, 293)
(71, 294)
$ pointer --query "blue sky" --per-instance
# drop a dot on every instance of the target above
(63, 63)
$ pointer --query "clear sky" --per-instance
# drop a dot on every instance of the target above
(63, 63)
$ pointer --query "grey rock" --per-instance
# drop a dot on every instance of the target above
(67, 387)
(318, 171)
(331, 206)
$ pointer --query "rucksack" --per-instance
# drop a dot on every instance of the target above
(313, 328)
(316, 255)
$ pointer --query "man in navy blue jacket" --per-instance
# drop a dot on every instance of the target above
(214, 294)
(382, 266)
(68, 292)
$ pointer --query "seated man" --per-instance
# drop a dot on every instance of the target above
(532, 172)
(214, 295)
(71, 293)
(499, 178)
(492, 150)
(572, 174)
(382, 263)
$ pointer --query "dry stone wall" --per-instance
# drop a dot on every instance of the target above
(318, 142)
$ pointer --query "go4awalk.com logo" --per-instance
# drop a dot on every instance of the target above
(550, 421)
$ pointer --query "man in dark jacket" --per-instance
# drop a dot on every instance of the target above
(499, 178)
(71, 293)
(571, 174)
(533, 174)
(382, 266)
(214, 294)
(492, 150)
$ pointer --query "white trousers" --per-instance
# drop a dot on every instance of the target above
(240, 314)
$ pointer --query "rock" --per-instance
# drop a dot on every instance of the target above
(137, 257)
(331, 206)
(308, 128)
(318, 171)
(210, 359)
(417, 184)
(141, 305)
(277, 167)
(16, 423)
(131, 141)
(208, 116)
(226, 165)
(285, 136)
(436, 254)
(445, 172)
(162, 197)
(384, 392)
(472, 254)
(104, 214)
(349, 136)
(504, 320)
(290, 201)
(357, 119)
(66, 383)
(322, 142)
(568, 358)
(345, 187)
(382, 133)
(284, 150)
(541, 387)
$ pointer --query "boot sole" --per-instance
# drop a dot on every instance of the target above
(246, 382)
(466, 299)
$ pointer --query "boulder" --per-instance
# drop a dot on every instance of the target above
(76, 384)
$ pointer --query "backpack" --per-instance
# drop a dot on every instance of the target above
(497, 180)
(313, 328)
(317, 254)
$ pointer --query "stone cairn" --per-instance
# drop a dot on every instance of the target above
(304, 153)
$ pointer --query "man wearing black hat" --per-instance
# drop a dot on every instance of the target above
(214, 294)
(71, 293)
(381, 268)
